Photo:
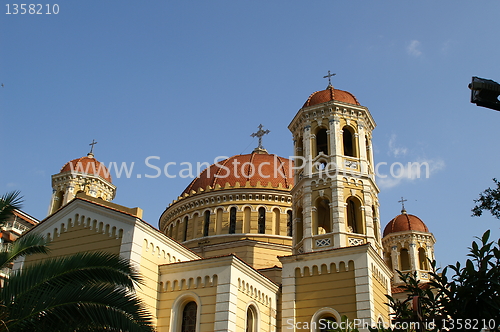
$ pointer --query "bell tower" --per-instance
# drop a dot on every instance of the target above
(335, 200)
(83, 175)
(408, 246)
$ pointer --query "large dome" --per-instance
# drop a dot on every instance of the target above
(405, 222)
(330, 94)
(87, 165)
(255, 167)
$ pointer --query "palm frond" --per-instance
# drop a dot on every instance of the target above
(43, 296)
(8, 203)
(28, 244)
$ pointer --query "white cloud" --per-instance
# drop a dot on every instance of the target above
(395, 150)
(413, 48)
(389, 176)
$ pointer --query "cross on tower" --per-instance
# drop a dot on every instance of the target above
(92, 146)
(259, 134)
(329, 76)
(402, 201)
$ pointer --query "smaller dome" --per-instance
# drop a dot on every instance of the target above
(329, 94)
(405, 222)
(87, 165)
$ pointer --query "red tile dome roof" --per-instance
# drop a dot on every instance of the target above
(405, 222)
(87, 165)
(330, 94)
(255, 167)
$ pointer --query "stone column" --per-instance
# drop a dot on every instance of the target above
(337, 208)
(307, 151)
(362, 148)
(307, 221)
(314, 224)
(395, 260)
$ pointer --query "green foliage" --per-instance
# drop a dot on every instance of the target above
(81, 292)
(471, 293)
(8, 203)
(489, 200)
(29, 244)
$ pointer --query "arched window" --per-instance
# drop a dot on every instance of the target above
(348, 140)
(289, 223)
(354, 217)
(58, 200)
(185, 228)
(321, 142)
(189, 317)
(206, 224)
(232, 220)
(327, 323)
(251, 319)
(422, 259)
(325, 319)
(388, 260)
(262, 221)
(404, 259)
(323, 216)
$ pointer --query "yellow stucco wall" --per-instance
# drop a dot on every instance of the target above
(78, 238)
(207, 297)
(243, 302)
(336, 290)
(254, 254)
(378, 293)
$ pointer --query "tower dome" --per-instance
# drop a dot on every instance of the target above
(83, 175)
(330, 94)
(87, 165)
(408, 246)
(405, 222)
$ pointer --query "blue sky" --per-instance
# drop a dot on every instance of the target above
(188, 81)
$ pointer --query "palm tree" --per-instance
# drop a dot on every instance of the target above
(8, 203)
(91, 291)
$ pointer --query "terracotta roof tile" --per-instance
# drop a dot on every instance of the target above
(405, 222)
(87, 165)
(330, 94)
(256, 167)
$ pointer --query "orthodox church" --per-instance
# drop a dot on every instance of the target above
(256, 242)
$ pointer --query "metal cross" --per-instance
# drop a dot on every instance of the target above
(92, 146)
(402, 201)
(329, 77)
(259, 134)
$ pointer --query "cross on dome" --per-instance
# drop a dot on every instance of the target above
(402, 201)
(259, 134)
(329, 76)
(91, 153)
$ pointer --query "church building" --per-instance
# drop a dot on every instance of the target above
(256, 242)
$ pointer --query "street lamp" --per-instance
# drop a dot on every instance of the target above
(485, 93)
